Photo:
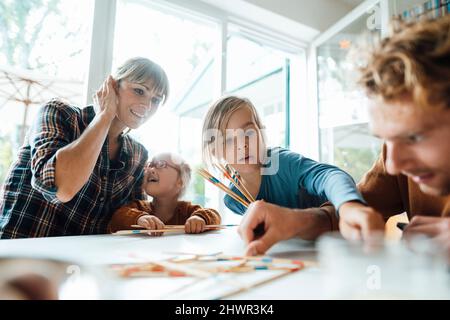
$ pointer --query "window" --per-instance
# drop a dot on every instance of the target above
(44, 51)
(53, 43)
(261, 74)
(185, 46)
(345, 139)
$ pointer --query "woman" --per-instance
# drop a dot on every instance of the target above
(77, 166)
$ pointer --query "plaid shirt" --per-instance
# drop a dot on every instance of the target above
(29, 206)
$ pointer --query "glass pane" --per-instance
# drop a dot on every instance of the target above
(260, 74)
(351, 147)
(345, 139)
(44, 53)
(414, 10)
(185, 46)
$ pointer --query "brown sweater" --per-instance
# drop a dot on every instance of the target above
(393, 195)
(128, 215)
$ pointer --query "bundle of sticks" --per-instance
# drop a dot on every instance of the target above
(233, 176)
(170, 228)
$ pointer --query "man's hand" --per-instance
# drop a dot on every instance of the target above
(279, 224)
(437, 228)
(357, 221)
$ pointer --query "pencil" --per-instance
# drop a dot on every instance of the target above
(235, 176)
(205, 174)
(178, 267)
(141, 231)
(236, 183)
(125, 232)
(177, 226)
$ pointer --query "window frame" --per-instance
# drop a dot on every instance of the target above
(311, 123)
(102, 46)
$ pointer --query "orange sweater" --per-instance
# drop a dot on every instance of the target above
(392, 195)
(128, 215)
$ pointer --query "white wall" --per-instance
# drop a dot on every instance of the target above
(264, 16)
(317, 14)
(301, 18)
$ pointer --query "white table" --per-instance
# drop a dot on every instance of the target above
(106, 249)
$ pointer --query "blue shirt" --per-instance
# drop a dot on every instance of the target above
(299, 182)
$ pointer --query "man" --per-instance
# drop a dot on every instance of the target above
(408, 80)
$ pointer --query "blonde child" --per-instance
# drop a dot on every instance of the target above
(294, 188)
(165, 180)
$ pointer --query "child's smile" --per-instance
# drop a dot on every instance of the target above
(152, 178)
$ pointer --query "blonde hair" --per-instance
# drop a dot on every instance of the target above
(217, 118)
(183, 167)
(140, 70)
(414, 61)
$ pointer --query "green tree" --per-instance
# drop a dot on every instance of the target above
(21, 23)
(355, 161)
(24, 26)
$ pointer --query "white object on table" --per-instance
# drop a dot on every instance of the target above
(111, 249)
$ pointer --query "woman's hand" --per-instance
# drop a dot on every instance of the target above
(106, 100)
(76, 161)
(194, 224)
(151, 223)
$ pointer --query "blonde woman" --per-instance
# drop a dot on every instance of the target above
(77, 166)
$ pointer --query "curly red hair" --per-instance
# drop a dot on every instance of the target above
(414, 62)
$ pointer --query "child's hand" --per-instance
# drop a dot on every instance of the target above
(194, 224)
(151, 223)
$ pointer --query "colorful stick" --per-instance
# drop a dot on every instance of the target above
(237, 178)
(125, 232)
(175, 226)
(205, 174)
(236, 183)
(177, 229)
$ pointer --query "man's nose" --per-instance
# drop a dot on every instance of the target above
(397, 158)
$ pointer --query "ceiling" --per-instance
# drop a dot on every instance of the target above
(352, 3)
